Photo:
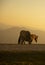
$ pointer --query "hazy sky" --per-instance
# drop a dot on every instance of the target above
(23, 13)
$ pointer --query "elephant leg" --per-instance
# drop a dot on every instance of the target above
(24, 42)
(19, 40)
(29, 42)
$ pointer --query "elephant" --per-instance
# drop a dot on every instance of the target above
(27, 36)
(24, 36)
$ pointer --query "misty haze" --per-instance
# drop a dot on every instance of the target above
(10, 34)
(15, 16)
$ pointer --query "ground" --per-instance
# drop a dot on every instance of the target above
(22, 58)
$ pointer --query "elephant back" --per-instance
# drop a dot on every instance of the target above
(25, 34)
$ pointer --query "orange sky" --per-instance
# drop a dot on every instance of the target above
(23, 13)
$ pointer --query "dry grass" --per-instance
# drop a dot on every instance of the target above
(22, 58)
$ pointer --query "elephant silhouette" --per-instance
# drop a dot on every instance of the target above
(24, 36)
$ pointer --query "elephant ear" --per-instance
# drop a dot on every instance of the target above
(36, 38)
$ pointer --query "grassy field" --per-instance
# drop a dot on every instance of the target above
(22, 58)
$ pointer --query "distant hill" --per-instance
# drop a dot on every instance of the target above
(3, 26)
(11, 35)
